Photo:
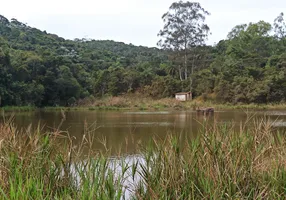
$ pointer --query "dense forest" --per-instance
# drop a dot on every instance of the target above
(42, 69)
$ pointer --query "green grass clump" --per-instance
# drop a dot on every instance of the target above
(91, 108)
(108, 108)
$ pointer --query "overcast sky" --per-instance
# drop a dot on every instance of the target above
(131, 21)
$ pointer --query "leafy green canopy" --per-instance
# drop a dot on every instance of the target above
(41, 69)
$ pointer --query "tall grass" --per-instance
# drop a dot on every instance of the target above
(34, 165)
(222, 163)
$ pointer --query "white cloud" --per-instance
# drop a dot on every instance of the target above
(131, 21)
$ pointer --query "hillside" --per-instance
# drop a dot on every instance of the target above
(42, 69)
(38, 68)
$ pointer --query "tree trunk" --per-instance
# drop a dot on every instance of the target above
(191, 83)
(180, 73)
(193, 64)
(192, 72)
(130, 87)
(186, 59)
(186, 64)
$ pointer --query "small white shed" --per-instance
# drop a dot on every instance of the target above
(184, 96)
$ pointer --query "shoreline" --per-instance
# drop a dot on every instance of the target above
(145, 104)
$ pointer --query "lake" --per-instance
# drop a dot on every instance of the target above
(123, 129)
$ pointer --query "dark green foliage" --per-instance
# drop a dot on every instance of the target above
(163, 86)
(249, 67)
(184, 29)
(41, 69)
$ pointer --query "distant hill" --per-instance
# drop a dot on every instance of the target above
(20, 36)
(45, 69)
(42, 69)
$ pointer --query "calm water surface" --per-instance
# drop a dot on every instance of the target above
(123, 129)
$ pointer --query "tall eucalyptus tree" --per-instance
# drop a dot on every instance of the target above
(184, 28)
(280, 26)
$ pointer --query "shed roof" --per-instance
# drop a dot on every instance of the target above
(182, 93)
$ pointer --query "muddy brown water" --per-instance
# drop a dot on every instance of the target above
(123, 129)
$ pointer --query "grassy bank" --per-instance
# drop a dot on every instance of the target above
(222, 163)
(18, 108)
(143, 103)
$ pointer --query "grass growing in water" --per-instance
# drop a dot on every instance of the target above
(222, 163)
(34, 165)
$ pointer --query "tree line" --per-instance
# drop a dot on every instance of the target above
(42, 69)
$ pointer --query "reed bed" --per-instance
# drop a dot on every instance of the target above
(35, 165)
(223, 162)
